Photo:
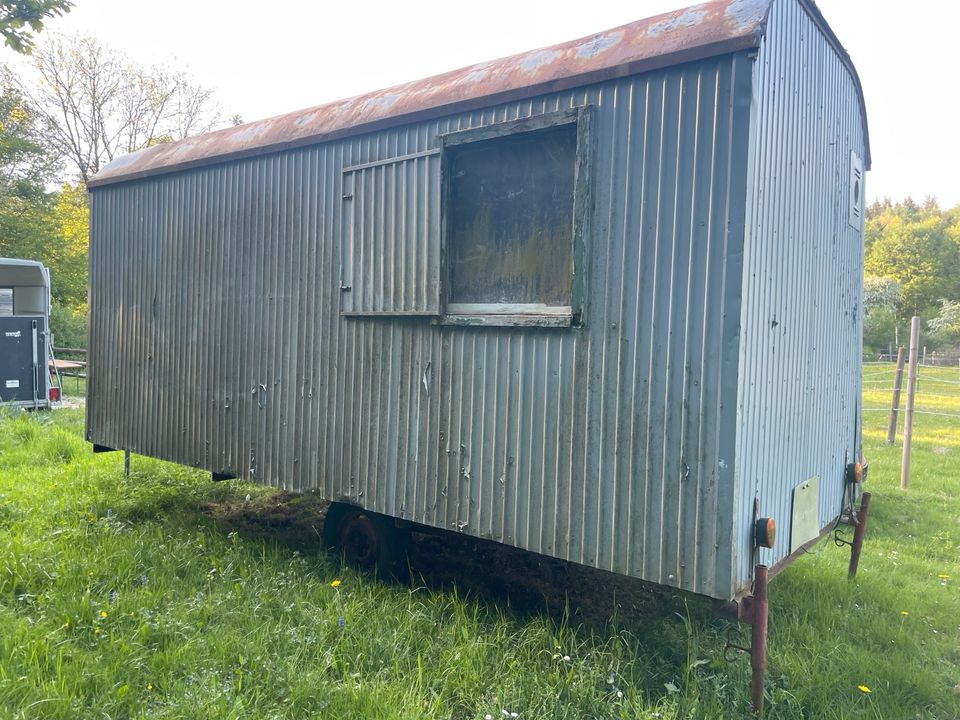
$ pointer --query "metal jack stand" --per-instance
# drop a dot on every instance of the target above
(753, 610)
(859, 520)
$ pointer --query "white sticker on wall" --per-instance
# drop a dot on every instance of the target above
(13, 334)
(13, 384)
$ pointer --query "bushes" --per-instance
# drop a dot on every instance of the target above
(69, 325)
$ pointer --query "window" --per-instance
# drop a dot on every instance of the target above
(6, 301)
(511, 221)
(484, 229)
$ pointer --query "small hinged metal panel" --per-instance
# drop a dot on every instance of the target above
(390, 262)
(804, 520)
(856, 191)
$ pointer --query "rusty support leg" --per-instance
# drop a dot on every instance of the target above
(858, 534)
(758, 638)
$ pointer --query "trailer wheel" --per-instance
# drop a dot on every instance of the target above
(367, 540)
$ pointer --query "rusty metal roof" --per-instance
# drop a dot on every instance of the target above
(705, 30)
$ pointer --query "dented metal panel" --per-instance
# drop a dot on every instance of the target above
(798, 406)
(218, 341)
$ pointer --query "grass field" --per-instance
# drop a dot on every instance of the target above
(168, 596)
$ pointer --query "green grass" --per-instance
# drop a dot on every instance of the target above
(168, 596)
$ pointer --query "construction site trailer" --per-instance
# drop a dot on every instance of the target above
(600, 301)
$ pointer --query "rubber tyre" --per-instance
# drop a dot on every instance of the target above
(331, 525)
(367, 540)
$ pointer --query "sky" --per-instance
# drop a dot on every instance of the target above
(265, 60)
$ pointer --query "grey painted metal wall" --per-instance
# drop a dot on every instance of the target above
(217, 339)
(802, 294)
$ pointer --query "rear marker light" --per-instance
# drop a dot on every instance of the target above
(856, 472)
(765, 532)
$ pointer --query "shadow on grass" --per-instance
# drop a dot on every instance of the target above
(286, 519)
(527, 582)
(591, 606)
(530, 583)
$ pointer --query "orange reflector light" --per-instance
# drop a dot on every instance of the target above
(765, 532)
(855, 473)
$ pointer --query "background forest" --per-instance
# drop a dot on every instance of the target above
(912, 267)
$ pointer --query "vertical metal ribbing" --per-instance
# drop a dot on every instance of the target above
(800, 361)
(598, 444)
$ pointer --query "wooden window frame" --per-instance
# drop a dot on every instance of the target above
(526, 314)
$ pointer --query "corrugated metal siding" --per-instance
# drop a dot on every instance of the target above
(391, 244)
(217, 341)
(800, 348)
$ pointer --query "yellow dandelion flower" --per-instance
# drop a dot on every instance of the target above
(904, 613)
(90, 574)
(103, 613)
(149, 686)
(864, 689)
(335, 583)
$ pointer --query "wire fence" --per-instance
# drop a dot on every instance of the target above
(937, 390)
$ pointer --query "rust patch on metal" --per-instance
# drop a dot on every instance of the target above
(709, 29)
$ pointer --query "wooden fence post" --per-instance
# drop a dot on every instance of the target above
(895, 403)
(911, 388)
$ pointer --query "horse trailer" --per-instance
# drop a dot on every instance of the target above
(25, 346)
(600, 301)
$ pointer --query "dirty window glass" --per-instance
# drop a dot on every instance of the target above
(510, 232)
(6, 301)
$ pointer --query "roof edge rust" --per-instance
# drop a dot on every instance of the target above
(685, 35)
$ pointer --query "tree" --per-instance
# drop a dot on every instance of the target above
(34, 223)
(945, 327)
(922, 254)
(880, 294)
(26, 162)
(51, 228)
(19, 17)
(99, 104)
(26, 166)
(71, 216)
(881, 297)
